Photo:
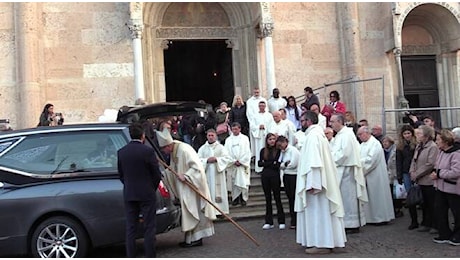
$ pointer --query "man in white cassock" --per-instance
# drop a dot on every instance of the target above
(346, 153)
(281, 127)
(258, 130)
(215, 159)
(379, 210)
(322, 121)
(252, 108)
(275, 102)
(239, 171)
(197, 213)
(318, 201)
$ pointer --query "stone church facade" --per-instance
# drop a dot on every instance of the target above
(86, 57)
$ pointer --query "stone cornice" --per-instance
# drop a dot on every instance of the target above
(200, 32)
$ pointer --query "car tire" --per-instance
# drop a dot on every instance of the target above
(59, 237)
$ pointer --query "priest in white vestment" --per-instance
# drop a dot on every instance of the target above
(197, 213)
(380, 209)
(281, 127)
(258, 130)
(215, 159)
(322, 120)
(239, 171)
(318, 201)
(252, 108)
(275, 102)
(346, 153)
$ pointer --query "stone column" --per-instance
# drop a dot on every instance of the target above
(397, 51)
(136, 26)
(350, 38)
(266, 32)
(402, 101)
(28, 63)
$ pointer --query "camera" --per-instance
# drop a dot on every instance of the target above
(58, 114)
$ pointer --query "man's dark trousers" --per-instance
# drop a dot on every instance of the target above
(148, 211)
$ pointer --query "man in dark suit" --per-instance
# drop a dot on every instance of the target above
(140, 175)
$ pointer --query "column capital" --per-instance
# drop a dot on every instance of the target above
(397, 51)
(266, 30)
(136, 27)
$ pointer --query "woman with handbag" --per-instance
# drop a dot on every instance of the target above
(404, 154)
(222, 122)
(421, 167)
(446, 181)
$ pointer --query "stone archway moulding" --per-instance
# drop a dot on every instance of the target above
(401, 17)
(240, 36)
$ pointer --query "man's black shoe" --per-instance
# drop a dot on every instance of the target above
(413, 226)
(351, 230)
(243, 203)
(235, 202)
(194, 243)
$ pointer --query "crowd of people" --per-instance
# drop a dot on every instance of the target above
(338, 173)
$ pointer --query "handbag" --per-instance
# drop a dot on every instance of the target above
(222, 128)
(414, 196)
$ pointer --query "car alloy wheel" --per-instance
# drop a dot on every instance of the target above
(59, 237)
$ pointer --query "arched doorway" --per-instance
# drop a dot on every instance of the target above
(430, 35)
(191, 27)
(197, 70)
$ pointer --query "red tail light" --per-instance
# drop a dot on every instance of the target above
(163, 190)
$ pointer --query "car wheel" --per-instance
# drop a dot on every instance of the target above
(59, 237)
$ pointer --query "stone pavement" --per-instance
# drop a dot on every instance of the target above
(392, 240)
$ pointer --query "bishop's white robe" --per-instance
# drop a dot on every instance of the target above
(215, 173)
(252, 108)
(346, 153)
(197, 213)
(258, 135)
(380, 206)
(319, 214)
(240, 176)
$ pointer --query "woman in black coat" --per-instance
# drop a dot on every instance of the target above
(238, 114)
(271, 181)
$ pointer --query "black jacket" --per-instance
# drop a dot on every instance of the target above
(271, 164)
(139, 172)
(403, 160)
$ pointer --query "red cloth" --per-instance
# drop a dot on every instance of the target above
(339, 108)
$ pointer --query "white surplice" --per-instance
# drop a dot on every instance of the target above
(346, 153)
(215, 172)
(197, 213)
(252, 108)
(258, 135)
(240, 176)
(284, 128)
(380, 206)
(319, 214)
(274, 104)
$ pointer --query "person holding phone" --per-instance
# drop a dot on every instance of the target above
(49, 118)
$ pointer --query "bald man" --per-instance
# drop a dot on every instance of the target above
(377, 132)
(281, 127)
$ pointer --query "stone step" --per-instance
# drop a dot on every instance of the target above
(255, 207)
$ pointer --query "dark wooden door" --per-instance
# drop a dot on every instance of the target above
(199, 69)
(420, 84)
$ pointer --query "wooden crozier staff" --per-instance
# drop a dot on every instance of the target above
(195, 189)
